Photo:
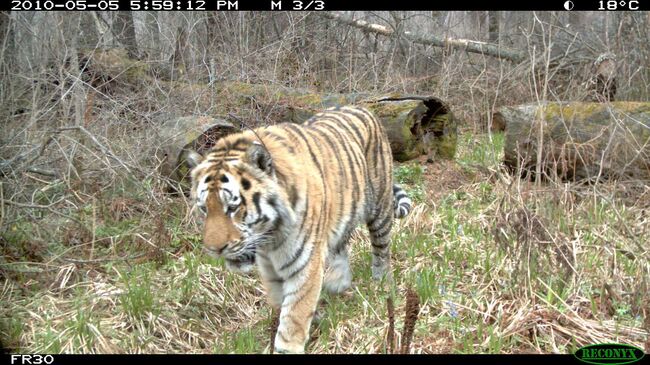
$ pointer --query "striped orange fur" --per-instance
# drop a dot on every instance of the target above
(287, 197)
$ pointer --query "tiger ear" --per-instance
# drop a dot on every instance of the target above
(193, 158)
(260, 157)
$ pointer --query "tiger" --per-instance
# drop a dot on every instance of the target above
(286, 198)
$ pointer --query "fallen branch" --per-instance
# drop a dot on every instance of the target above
(105, 150)
(40, 171)
(102, 260)
(468, 45)
(391, 325)
(32, 206)
(275, 322)
(412, 311)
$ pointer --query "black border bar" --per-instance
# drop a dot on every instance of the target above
(326, 5)
(286, 359)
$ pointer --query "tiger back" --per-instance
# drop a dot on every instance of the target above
(287, 198)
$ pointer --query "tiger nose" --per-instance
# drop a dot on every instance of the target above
(216, 251)
(220, 251)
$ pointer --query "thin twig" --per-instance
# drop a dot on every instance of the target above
(106, 259)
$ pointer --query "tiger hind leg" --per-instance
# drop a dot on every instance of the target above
(379, 229)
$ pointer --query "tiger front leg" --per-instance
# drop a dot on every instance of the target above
(271, 280)
(298, 309)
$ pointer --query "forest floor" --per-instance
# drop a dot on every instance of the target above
(500, 265)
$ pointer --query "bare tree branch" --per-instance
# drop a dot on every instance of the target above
(468, 45)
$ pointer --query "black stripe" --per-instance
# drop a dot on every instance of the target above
(262, 218)
(293, 292)
(293, 196)
(256, 201)
(344, 121)
(273, 202)
(281, 177)
(293, 129)
(301, 297)
(382, 182)
(380, 246)
(243, 200)
(381, 232)
(336, 148)
(228, 159)
(245, 183)
(295, 322)
(222, 150)
(361, 115)
(325, 207)
(400, 196)
(282, 337)
(351, 169)
(275, 136)
(295, 256)
(300, 229)
(234, 146)
(276, 224)
(363, 111)
(372, 228)
(345, 237)
(302, 267)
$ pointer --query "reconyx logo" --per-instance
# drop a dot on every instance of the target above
(609, 353)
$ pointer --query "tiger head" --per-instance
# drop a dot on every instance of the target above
(234, 186)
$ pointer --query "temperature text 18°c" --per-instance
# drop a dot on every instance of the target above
(618, 5)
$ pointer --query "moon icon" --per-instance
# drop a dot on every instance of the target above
(568, 5)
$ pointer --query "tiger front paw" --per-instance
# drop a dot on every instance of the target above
(287, 347)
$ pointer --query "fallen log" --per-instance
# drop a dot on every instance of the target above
(177, 137)
(416, 125)
(580, 140)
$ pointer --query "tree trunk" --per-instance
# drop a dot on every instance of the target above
(124, 31)
(89, 37)
(581, 140)
(493, 27)
(7, 60)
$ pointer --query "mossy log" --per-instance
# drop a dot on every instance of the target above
(580, 140)
(416, 125)
(178, 136)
